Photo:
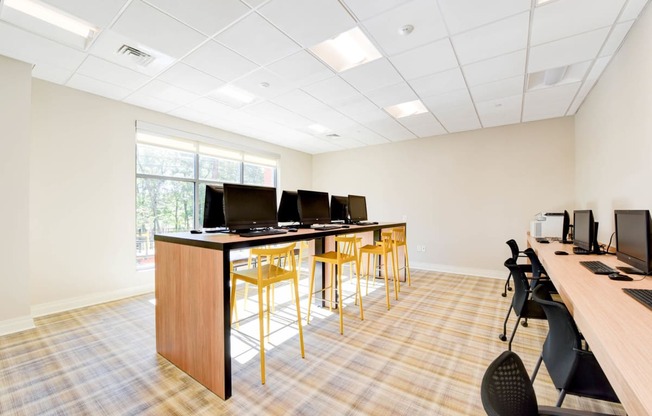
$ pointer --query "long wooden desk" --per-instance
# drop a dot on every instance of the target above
(617, 327)
(193, 299)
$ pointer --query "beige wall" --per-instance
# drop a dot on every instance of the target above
(82, 190)
(613, 132)
(14, 188)
(463, 194)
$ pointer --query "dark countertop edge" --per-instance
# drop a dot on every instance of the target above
(199, 240)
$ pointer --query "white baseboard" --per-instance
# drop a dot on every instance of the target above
(444, 268)
(23, 323)
(88, 300)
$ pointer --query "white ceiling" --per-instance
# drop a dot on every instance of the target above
(467, 60)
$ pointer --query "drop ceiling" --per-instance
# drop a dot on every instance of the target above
(473, 63)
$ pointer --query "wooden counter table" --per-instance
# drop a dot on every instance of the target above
(617, 328)
(192, 296)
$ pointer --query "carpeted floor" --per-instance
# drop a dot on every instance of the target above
(426, 356)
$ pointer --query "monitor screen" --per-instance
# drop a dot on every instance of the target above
(313, 207)
(248, 206)
(339, 208)
(584, 229)
(214, 207)
(633, 238)
(565, 228)
(357, 208)
(288, 209)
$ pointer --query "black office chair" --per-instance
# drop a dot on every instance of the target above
(572, 367)
(538, 271)
(523, 306)
(516, 253)
(506, 391)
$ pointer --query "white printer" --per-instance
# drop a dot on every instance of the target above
(547, 225)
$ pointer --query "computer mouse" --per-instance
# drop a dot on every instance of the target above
(345, 226)
(292, 230)
(561, 253)
(195, 231)
(618, 276)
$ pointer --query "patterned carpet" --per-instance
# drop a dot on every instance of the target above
(426, 356)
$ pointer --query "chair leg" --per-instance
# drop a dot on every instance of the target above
(312, 287)
(536, 368)
(397, 282)
(407, 267)
(296, 302)
(339, 299)
(359, 292)
(367, 275)
(507, 286)
(261, 322)
(513, 333)
(560, 399)
(387, 282)
(269, 289)
(503, 336)
(233, 300)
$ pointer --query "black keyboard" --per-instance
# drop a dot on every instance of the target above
(258, 233)
(325, 226)
(642, 295)
(598, 267)
(366, 223)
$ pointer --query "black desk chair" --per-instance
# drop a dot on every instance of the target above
(516, 253)
(523, 306)
(572, 367)
(538, 271)
(506, 391)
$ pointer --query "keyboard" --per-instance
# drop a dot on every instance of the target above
(366, 223)
(577, 250)
(598, 267)
(642, 295)
(325, 226)
(258, 233)
(542, 240)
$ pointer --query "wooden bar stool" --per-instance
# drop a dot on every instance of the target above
(399, 240)
(381, 248)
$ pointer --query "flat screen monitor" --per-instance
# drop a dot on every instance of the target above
(339, 208)
(565, 228)
(357, 208)
(633, 239)
(214, 207)
(247, 207)
(585, 231)
(288, 209)
(313, 207)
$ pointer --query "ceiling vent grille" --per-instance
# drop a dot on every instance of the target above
(139, 57)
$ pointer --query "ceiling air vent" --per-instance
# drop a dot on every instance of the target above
(333, 136)
(139, 57)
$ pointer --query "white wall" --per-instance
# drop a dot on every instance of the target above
(82, 190)
(14, 185)
(463, 194)
(613, 131)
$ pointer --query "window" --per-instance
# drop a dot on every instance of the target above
(171, 178)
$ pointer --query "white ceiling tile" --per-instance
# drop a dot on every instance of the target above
(190, 114)
(364, 135)
(52, 73)
(423, 125)
(498, 38)
(27, 47)
(494, 69)
(255, 82)
(357, 107)
(277, 114)
(157, 30)
(501, 111)
(145, 101)
(584, 91)
(331, 90)
(598, 67)
(566, 51)
(113, 74)
(632, 9)
(254, 3)
(96, 12)
(301, 68)
(256, 39)
(219, 61)
(454, 110)
(95, 86)
(372, 75)
(391, 129)
(191, 79)
(391, 95)
(548, 102)
(301, 102)
(498, 89)
(212, 107)
(206, 16)
(334, 120)
(364, 9)
(425, 60)
(439, 83)
(615, 38)
(423, 15)
(308, 22)
(167, 92)
(462, 15)
(560, 19)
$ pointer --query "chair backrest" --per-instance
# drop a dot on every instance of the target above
(514, 248)
(347, 248)
(506, 389)
(398, 235)
(521, 286)
(559, 348)
(282, 257)
(537, 267)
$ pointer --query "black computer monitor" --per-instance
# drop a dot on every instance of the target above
(357, 208)
(633, 240)
(288, 208)
(313, 207)
(214, 207)
(585, 231)
(339, 208)
(247, 207)
(565, 229)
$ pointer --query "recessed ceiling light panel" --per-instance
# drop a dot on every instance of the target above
(409, 108)
(348, 50)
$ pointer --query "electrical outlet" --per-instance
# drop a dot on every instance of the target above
(423, 248)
